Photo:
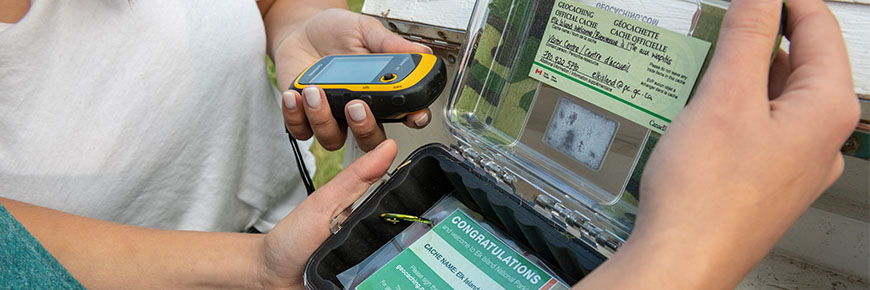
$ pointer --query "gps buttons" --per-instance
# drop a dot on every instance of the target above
(388, 77)
(398, 100)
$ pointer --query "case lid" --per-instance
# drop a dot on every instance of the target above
(559, 92)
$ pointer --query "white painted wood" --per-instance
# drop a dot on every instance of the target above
(831, 241)
(777, 271)
(851, 1)
(445, 13)
(855, 23)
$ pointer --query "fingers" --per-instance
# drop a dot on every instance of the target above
(419, 120)
(303, 117)
(819, 94)
(365, 129)
(316, 109)
(817, 46)
(742, 56)
(354, 180)
(378, 39)
(309, 114)
(294, 116)
(779, 73)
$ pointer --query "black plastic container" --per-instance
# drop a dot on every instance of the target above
(430, 173)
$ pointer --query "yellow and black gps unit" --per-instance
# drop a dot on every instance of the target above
(393, 85)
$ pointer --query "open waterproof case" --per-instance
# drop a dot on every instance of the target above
(556, 173)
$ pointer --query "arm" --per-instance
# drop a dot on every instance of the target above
(107, 255)
(302, 31)
(746, 158)
(103, 255)
(13, 10)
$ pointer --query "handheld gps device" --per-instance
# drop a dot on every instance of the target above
(393, 85)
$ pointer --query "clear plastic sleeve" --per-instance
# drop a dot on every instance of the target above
(352, 277)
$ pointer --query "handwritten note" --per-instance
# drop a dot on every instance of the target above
(636, 70)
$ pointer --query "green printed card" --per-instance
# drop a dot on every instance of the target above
(460, 254)
(633, 69)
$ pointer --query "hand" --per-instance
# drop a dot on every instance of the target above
(289, 245)
(750, 153)
(335, 31)
(107, 255)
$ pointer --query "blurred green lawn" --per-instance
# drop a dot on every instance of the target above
(328, 163)
(355, 5)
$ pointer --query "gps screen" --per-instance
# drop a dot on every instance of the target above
(352, 70)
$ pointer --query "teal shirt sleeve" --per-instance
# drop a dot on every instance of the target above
(24, 263)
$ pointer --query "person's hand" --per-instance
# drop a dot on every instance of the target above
(335, 31)
(749, 154)
(288, 246)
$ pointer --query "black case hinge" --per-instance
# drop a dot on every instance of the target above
(485, 163)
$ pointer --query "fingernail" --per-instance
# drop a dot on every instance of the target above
(312, 97)
(427, 47)
(290, 100)
(357, 112)
(422, 121)
(380, 145)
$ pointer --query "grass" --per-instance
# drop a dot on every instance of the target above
(355, 5)
(328, 164)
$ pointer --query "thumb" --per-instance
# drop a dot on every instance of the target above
(289, 245)
(354, 180)
(311, 218)
(379, 39)
(742, 58)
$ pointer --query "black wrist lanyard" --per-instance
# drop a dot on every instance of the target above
(300, 164)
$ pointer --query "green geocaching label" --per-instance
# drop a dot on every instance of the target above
(636, 70)
(460, 254)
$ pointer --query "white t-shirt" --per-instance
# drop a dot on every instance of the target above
(153, 113)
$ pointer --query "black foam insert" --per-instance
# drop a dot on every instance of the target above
(432, 173)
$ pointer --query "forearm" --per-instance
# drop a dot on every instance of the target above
(283, 16)
(701, 248)
(661, 265)
(107, 255)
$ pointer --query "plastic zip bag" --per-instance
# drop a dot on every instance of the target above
(444, 208)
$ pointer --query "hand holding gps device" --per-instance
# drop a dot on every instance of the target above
(393, 85)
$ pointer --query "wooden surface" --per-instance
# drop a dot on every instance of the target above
(782, 272)
(855, 22)
(446, 13)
